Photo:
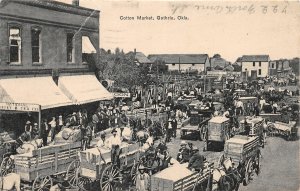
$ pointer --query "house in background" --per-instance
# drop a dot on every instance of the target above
(218, 63)
(183, 62)
(254, 66)
(280, 67)
(141, 58)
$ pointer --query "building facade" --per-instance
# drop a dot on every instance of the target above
(280, 67)
(255, 65)
(183, 62)
(51, 40)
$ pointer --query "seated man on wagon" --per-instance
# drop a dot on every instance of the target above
(183, 155)
(196, 162)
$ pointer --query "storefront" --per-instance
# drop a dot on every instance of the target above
(22, 99)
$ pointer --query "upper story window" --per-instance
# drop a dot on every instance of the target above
(87, 49)
(173, 64)
(193, 64)
(259, 64)
(70, 47)
(36, 44)
(15, 45)
(253, 63)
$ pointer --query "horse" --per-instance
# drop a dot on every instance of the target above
(227, 178)
(10, 181)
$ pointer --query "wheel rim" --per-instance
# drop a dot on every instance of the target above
(42, 183)
(109, 178)
(84, 183)
(133, 173)
(72, 173)
(6, 166)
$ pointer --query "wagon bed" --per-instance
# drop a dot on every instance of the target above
(46, 161)
(167, 180)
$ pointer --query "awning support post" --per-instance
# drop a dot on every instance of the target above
(40, 119)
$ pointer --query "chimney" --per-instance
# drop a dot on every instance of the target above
(134, 51)
(75, 2)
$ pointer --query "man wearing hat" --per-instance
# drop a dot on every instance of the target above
(196, 162)
(169, 130)
(114, 144)
(184, 153)
(28, 129)
(35, 131)
(142, 179)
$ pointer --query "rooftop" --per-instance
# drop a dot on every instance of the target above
(57, 6)
(255, 58)
(141, 58)
(180, 58)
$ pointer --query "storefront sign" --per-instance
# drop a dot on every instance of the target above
(19, 107)
(121, 94)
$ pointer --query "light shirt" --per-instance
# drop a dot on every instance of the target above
(239, 104)
(114, 140)
(52, 123)
(60, 120)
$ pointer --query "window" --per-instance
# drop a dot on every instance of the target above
(259, 64)
(70, 47)
(253, 63)
(273, 65)
(15, 45)
(259, 71)
(193, 64)
(173, 64)
(88, 49)
(36, 45)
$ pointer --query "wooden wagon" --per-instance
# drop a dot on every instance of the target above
(167, 180)
(95, 165)
(243, 150)
(255, 125)
(196, 124)
(217, 131)
(287, 130)
(40, 166)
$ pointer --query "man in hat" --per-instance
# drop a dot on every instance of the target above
(169, 130)
(52, 124)
(102, 142)
(35, 131)
(184, 153)
(28, 129)
(196, 162)
(114, 144)
(44, 131)
(73, 119)
(142, 180)
(174, 126)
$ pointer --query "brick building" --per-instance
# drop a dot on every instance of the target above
(42, 36)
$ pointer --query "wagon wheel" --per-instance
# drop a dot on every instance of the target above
(73, 173)
(203, 133)
(257, 164)
(84, 183)
(133, 173)
(110, 178)
(221, 160)
(42, 183)
(6, 166)
(248, 173)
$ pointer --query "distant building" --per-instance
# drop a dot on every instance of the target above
(280, 67)
(183, 62)
(255, 65)
(141, 58)
(218, 63)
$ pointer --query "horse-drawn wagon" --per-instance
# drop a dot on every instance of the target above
(254, 126)
(217, 131)
(95, 167)
(243, 151)
(41, 166)
(167, 180)
(287, 130)
(196, 123)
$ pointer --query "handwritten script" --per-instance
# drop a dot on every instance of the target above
(231, 9)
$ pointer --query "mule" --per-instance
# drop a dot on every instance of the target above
(227, 178)
(10, 181)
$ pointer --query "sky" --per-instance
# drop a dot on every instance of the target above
(230, 28)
